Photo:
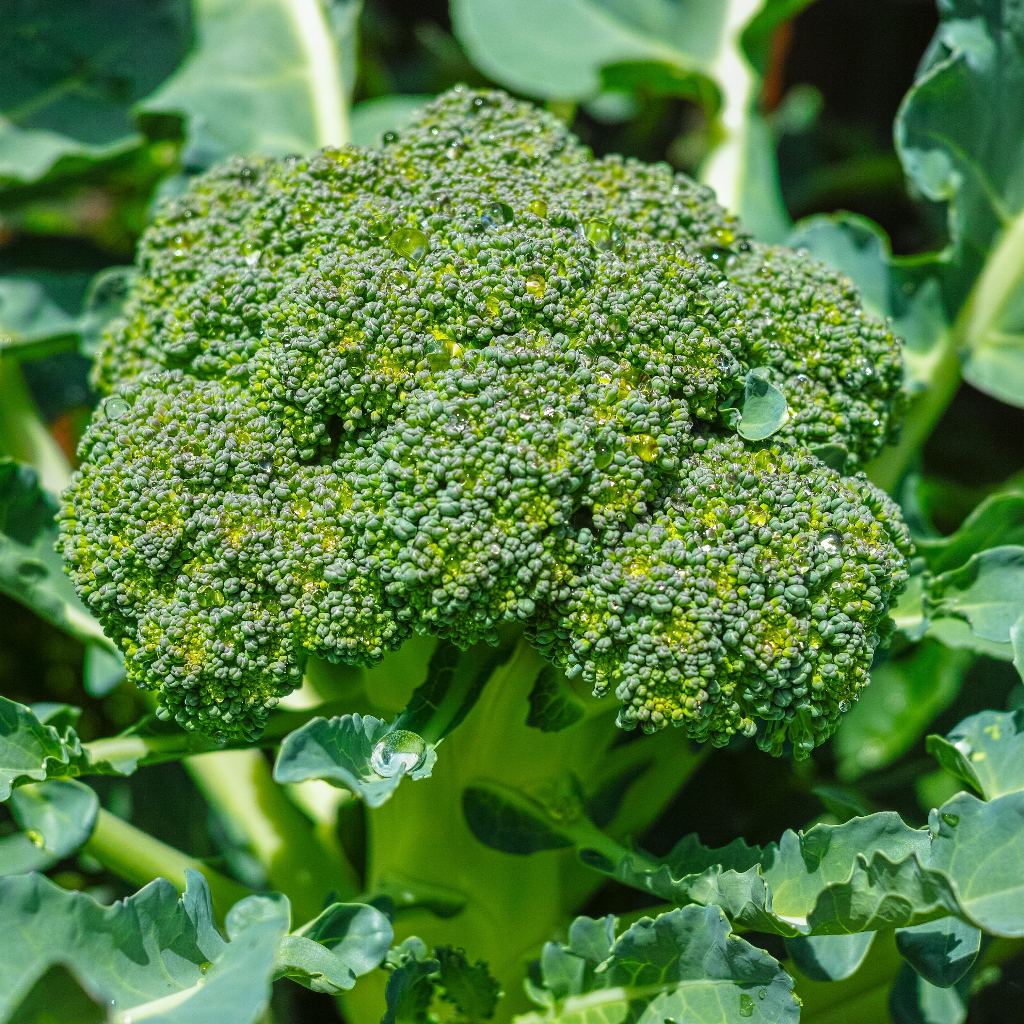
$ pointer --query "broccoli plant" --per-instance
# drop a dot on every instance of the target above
(458, 511)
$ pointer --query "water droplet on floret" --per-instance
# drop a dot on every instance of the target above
(389, 138)
(410, 243)
(832, 542)
(398, 753)
(115, 408)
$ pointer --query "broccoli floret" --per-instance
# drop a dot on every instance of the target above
(475, 379)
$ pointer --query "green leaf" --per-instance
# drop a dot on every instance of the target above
(764, 410)
(507, 820)
(684, 965)
(431, 987)
(914, 1001)
(942, 951)
(372, 118)
(558, 51)
(58, 996)
(997, 522)
(987, 593)
(1017, 645)
(103, 670)
(329, 953)
(845, 878)
(31, 572)
(552, 705)
(986, 751)
(959, 135)
(262, 77)
(905, 696)
(977, 845)
(152, 956)
(55, 819)
(829, 957)
(41, 743)
(357, 752)
(32, 321)
(72, 74)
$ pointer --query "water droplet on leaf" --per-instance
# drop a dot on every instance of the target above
(746, 1005)
(398, 753)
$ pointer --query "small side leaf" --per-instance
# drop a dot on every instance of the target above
(829, 957)
(329, 953)
(942, 951)
(764, 410)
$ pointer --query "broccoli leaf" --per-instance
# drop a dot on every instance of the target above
(338, 946)
(30, 570)
(942, 951)
(914, 1000)
(683, 965)
(428, 988)
(358, 752)
(986, 751)
(153, 954)
(219, 89)
(41, 743)
(72, 75)
(830, 957)
(55, 819)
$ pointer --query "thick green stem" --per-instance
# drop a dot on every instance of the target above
(23, 435)
(996, 286)
(239, 785)
(138, 858)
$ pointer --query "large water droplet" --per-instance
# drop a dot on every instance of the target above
(389, 138)
(832, 542)
(602, 235)
(114, 408)
(538, 208)
(410, 243)
(746, 1005)
(603, 453)
(398, 753)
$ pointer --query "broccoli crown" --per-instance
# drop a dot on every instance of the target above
(480, 377)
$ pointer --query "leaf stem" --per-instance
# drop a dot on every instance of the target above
(239, 784)
(138, 858)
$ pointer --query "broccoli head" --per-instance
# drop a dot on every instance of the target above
(477, 378)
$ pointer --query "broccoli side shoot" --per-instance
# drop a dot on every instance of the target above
(475, 379)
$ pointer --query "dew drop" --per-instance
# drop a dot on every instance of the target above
(645, 446)
(398, 753)
(35, 838)
(603, 453)
(410, 243)
(602, 235)
(389, 138)
(205, 966)
(114, 408)
(746, 1005)
(536, 285)
(762, 993)
(251, 252)
(538, 208)
(952, 820)
(501, 213)
(843, 707)
(832, 542)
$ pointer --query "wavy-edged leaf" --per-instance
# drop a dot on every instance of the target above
(427, 987)
(40, 743)
(998, 521)
(354, 752)
(340, 945)
(986, 751)
(978, 846)
(262, 77)
(682, 965)
(987, 593)
(30, 570)
(72, 74)
(154, 955)
(54, 819)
